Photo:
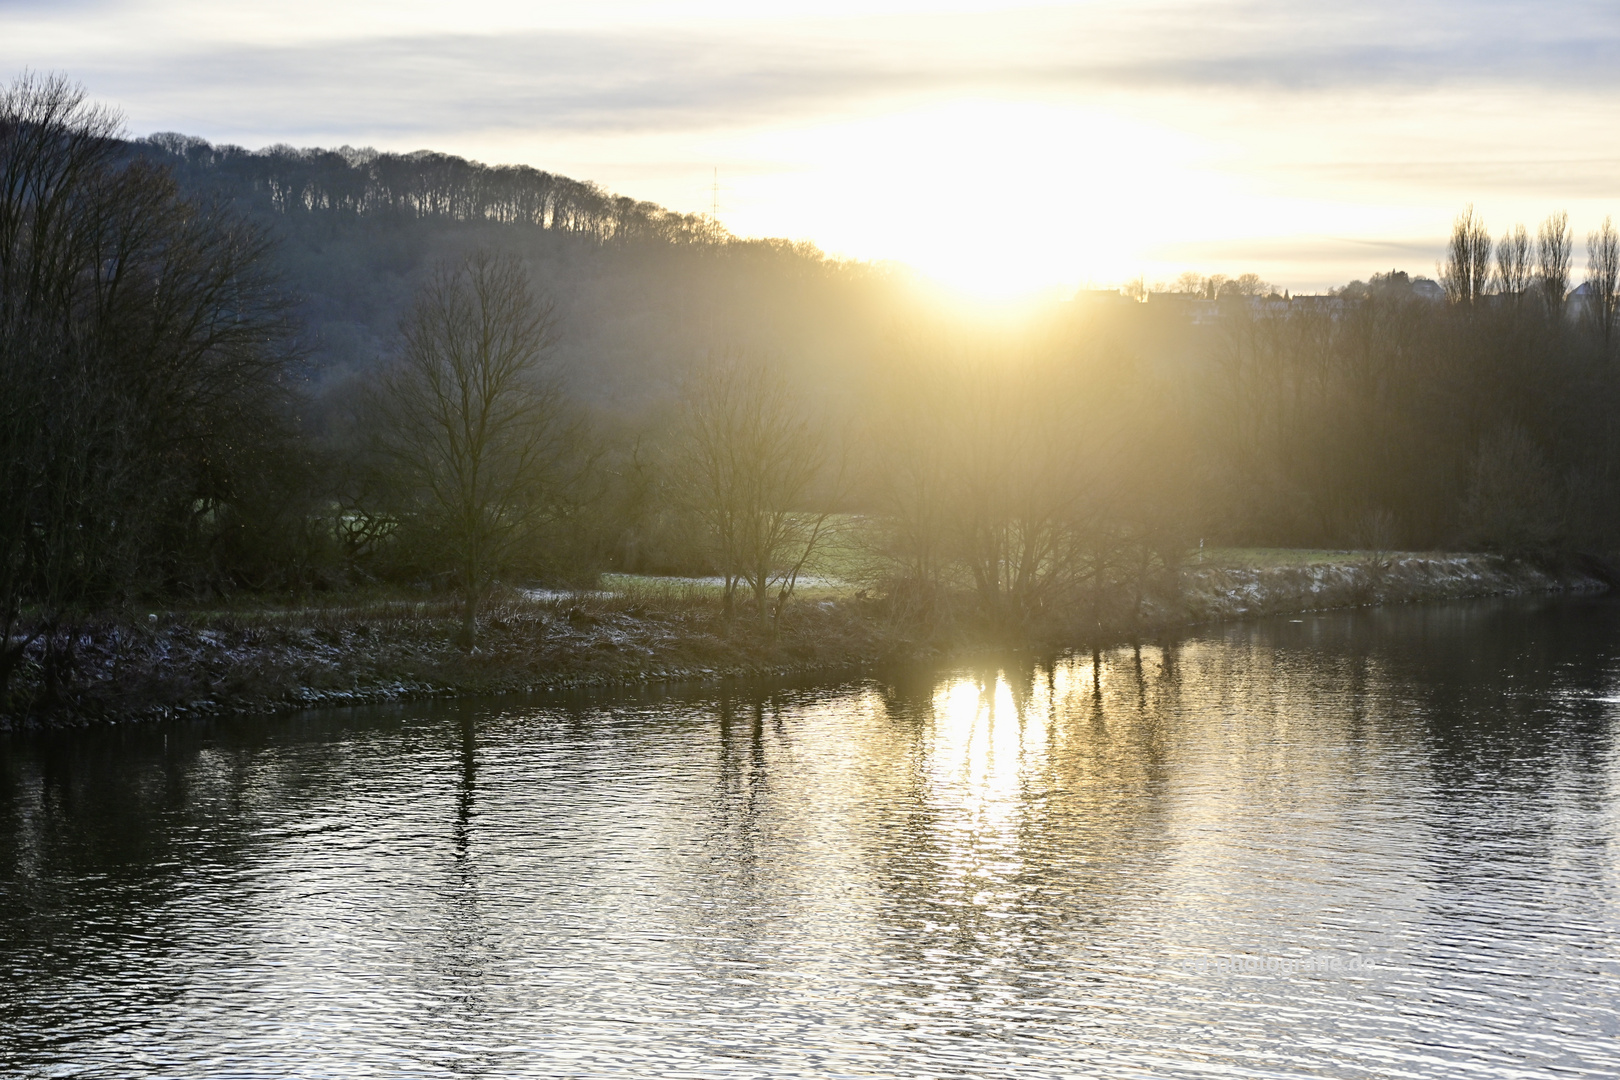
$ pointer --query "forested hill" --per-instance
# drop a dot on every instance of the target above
(642, 291)
(421, 185)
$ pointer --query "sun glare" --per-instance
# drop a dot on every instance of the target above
(995, 198)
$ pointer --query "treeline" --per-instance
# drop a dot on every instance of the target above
(165, 431)
(642, 292)
(155, 429)
(423, 185)
(1050, 486)
(1390, 420)
(146, 418)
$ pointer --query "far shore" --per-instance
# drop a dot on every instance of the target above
(340, 650)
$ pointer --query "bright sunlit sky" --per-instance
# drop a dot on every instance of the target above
(1001, 148)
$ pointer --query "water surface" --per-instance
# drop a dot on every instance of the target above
(1370, 844)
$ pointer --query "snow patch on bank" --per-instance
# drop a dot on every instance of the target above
(1224, 592)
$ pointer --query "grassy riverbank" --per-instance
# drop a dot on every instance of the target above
(358, 649)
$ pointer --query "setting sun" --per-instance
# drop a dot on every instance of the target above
(995, 197)
(1001, 149)
(860, 538)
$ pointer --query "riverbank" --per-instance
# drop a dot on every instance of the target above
(1281, 582)
(261, 659)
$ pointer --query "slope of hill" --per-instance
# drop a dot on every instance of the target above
(642, 292)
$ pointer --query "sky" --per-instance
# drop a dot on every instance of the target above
(1004, 149)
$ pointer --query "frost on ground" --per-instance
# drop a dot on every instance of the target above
(647, 631)
(211, 664)
(1218, 592)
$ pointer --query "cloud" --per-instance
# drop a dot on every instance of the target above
(1561, 177)
(53, 7)
(741, 74)
(531, 81)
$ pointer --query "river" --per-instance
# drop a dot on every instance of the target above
(1379, 843)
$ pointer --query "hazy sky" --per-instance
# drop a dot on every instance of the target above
(999, 146)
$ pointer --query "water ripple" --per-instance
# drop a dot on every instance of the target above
(1366, 845)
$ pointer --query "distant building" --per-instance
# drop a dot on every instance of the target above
(1199, 310)
(1189, 305)
(1100, 296)
(1578, 300)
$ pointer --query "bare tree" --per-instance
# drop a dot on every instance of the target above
(1514, 270)
(1552, 263)
(142, 360)
(750, 461)
(471, 419)
(22, 409)
(1467, 270)
(1603, 282)
(1247, 285)
(1021, 477)
(913, 483)
(53, 149)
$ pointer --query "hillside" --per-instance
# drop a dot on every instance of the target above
(642, 292)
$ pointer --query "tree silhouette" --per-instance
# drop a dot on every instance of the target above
(471, 419)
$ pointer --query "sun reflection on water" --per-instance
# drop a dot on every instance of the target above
(1008, 869)
(983, 752)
